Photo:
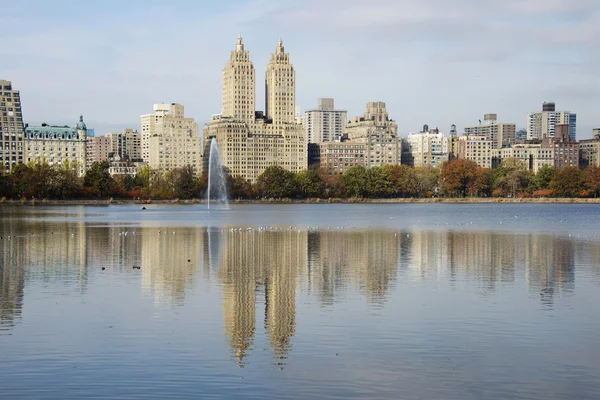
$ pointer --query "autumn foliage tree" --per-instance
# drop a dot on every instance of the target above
(568, 182)
(457, 176)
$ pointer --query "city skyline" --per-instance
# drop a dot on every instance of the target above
(426, 64)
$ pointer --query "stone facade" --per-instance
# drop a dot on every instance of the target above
(250, 141)
(98, 149)
(127, 145)
(57, 145)
(428, 148)
(589, 152)
(532, 154)
(11, 127)
(375, 119)
(324, 123)
(476, 148)
(174, 142)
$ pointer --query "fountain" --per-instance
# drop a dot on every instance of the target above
(217, 181)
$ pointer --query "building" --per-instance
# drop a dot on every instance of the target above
(476, 148)
(126, 144)
(589, 152)
(324, 123)
(375, 119)
(169, 140)
(11, 127)
(429, 148)
(249, 141)
(57, 145)
(521, 135)
(531, 153)
(566, 150)
(596, 132)
(502, 134)
(542, 124)
(98, 149)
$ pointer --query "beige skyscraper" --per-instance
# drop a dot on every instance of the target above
(238, 85)
(502, 134)
(280, 87)
(170, 140)
(250, 141)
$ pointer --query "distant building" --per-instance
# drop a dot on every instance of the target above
(126, 144)
(589, 152)
(521, 135)
(98, 149)
(11, 127)
(57, 144)
(477, 148)
(250, 141)
(169, 140)
(337, 156)
(532, 154)
(566, 149)
(325, 122)
(91, 132)
(542, 124)
(502, 134)
(428, 148)
(375, 119)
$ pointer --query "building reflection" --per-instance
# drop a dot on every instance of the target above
(261, 272)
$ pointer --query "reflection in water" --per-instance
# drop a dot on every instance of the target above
(259, 269)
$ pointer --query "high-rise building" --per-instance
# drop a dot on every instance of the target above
(596, 133)
(238, 99)
(502, 134)
(589, 152)
(375, 119)
(476, 148)
(127, 145)
(248, 140)
(542, 124)
(280, 85)
(57, 144)
(428, 148)
(325, 122)
(98, 149)
(11, 127)
(170, 140)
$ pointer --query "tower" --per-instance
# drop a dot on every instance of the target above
(280, 88)
(238, 85)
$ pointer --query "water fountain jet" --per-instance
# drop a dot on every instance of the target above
(217, 180)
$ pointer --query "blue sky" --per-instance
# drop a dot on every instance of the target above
(432, 61)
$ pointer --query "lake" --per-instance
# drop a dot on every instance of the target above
(335, 301)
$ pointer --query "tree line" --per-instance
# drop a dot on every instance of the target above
(455, 178)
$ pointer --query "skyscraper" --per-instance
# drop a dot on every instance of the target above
(501, 134)
(238, 100)
(325, 122)
(11, 127)
(280, 88)
(542, 124)
(249, 141)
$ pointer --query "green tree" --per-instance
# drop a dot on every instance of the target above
(355, 180)
(544, 176)
(309, 184)
(275, 182)
(379, 183)
(457, 175)
(98, 178)
(20, 178)
(240, 188)
(568, 182)
(185, 183)
(68, 182)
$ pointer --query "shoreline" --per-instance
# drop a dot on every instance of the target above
(474, 200)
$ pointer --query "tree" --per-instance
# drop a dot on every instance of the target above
(185, 184)
(68, 182)
(309, 184)
(568, 182)
(98, 178)
(275, 182)
(481, 183)
(240, 188)
(591, 177)
(378, 182)
(355, 180)
(544, 176)
(457, 175)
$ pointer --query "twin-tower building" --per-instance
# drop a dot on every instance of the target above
(249, 140)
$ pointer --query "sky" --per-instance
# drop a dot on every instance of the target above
(435, 62)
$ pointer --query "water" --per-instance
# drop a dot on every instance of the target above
(217, 181)
(379, 301)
